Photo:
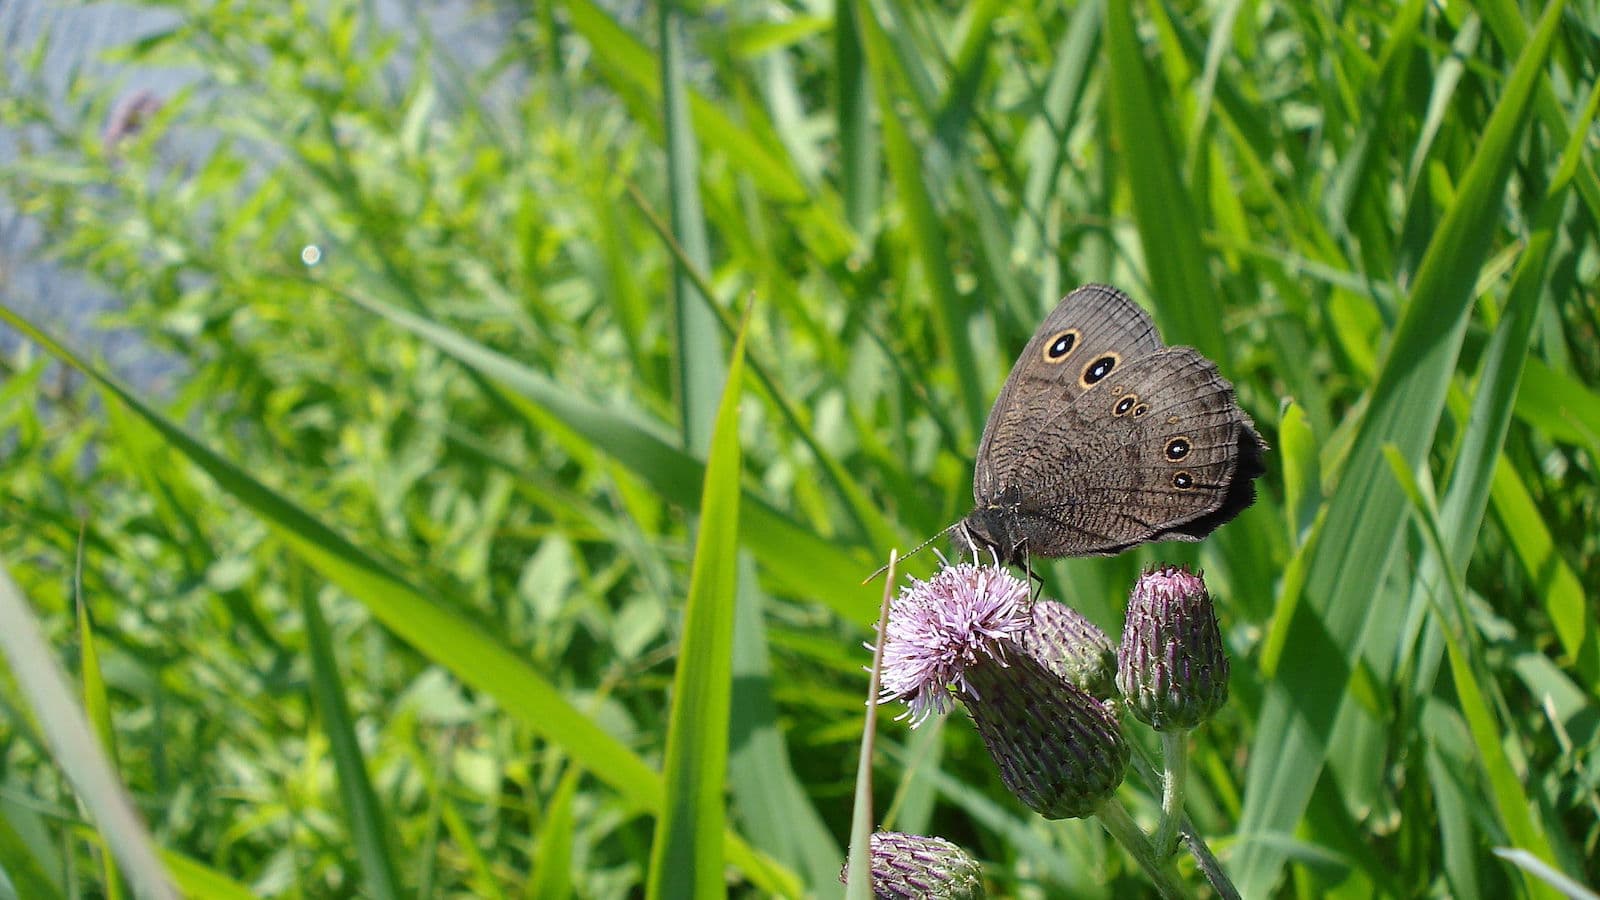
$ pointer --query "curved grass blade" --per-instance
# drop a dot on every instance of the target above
(369, 829)
(906, 167)
(1366, 514)
(474, 656)
(686, 855)
(73, 746)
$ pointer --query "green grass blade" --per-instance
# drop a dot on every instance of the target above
(95, 705)
(699, 361)
(774, 811)
(858, 145)
(1366, 514)
(906, 169)
(858, 885)
(74, 747)
(435, 630)
(195, 879)
(686, 855)
(1166, 214)
(28, 876)
(369, 828)
(552, 858)
(1552, 577)
(1512, 804)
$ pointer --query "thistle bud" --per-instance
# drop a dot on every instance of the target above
(1172, 668)
(1059, 750)
(907, 866)
(1073, 647)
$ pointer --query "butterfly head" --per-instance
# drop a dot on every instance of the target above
(991, 530)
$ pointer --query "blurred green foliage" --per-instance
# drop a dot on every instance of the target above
(403, 619)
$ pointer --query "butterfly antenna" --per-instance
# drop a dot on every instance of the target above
(919, 548)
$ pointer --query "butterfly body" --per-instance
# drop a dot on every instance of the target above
(1102, 439)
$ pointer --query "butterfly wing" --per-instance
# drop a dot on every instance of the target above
(1095, 325)
(1159, 451)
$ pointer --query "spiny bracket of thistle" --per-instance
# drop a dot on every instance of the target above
(1172, 668)
(1071, 646)
(1059, 750)
(909, 866)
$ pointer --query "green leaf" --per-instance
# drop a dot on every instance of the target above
(686, 856)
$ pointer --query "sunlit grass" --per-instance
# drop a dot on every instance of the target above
(385, 592)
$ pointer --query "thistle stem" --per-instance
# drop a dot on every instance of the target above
(1203, 857)
(1114, 817)
(1175, 750)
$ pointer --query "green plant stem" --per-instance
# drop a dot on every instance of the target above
(1175, 752)
(1207, 862)
(1116, 820)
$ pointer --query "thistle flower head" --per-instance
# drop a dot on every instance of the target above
(907, 866)
(1073, 647)
(940, 628)
(1172, 667)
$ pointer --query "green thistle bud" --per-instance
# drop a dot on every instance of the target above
(907, 866)
(1058, 749)
(1172, 668)
(1073, 647)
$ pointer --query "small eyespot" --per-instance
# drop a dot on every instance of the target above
(1099, 369)
(1177, 448)
(1140, 410)
(1123, 405)
(1183, 481)
(1172, 420)
(1060, 346)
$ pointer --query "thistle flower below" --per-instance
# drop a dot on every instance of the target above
(940, 628)
(907, 866)
(1172, 667)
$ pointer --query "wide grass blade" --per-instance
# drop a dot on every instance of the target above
(1167, 217)
(434, 629)
(74, 747)
(699, 364)
(686, 856)
(1367, 512)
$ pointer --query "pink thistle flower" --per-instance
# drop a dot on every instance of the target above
(940, 628)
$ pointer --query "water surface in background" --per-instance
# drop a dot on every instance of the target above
(466, 37)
